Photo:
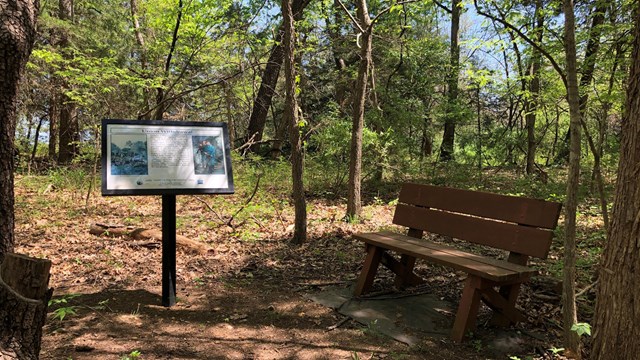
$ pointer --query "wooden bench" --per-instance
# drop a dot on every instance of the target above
(521, 226)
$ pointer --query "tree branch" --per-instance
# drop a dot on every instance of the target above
(353, 20)
(524, 37)
(386, 10)
(440, 5)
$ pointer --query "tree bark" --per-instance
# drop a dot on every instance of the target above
(17, 34)
(69, 127)
(569, 314)
(617, 311)
(267, 89)
(54, 113)
(231, 124)
(291, 114)
(534, 90)
(35, 143)
(588, 67)
(24, 298)
(142, 48)
(354, 201)
(161, 104)
(448, 137)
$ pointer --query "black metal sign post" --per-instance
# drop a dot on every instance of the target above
(168, 250)
(168, 158)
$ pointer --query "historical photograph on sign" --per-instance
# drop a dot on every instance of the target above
(207, 158)
(129, 155)
(165, 157)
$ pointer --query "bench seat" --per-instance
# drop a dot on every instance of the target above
(489, 268)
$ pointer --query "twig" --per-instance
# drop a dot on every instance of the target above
(255, 190)
(279, 213)
(322, 283)
(210, 208)
(583, 291)
(340, 323)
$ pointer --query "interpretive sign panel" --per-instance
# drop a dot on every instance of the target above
(165, 158)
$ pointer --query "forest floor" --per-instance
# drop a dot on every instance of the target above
(245, 297)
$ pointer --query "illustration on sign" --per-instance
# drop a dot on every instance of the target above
(165, 157)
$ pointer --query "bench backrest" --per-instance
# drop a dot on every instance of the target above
(519, 225)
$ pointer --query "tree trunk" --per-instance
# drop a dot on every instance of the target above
(569, 314)
(17, 34)
(341, 85)
(588, 67)
(291, 114)
(354, 201)
(69, 127)
(448, 137)
(231, 124)
(616, 329)
(24, 297)
(144, 114)
(35, 143)
(54, 113)
(267, 89)
(161, 102)
(534, 90)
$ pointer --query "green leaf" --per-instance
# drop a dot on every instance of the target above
(581, 329)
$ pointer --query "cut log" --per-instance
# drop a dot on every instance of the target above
(24, 299)
(182, 242)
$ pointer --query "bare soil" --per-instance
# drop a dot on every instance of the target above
(241, 300)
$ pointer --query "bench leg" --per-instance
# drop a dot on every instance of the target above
(369, 270)
(402, 280)
(468, 308)
(510, 294)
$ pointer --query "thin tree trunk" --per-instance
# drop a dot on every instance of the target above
(69, 127)
(231, 124)
(616, 317)
(54, 113)
(341, 85)
(267, 89)
(534, 90)
(35, 143)
(144, 114)
(448, 137)
(479, 119)
(354, 201)
(291, 113)
(588, 67)
(17, 34)
(161, 103)
(569, 314)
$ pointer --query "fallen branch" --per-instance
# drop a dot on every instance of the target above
(340, 323)
(589, 287)
(149, 237)
(210, 209)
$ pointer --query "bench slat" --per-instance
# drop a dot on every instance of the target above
(525, 211)
(457, 252)
(521, 239)
(487, 268)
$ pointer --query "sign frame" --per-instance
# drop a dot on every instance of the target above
(156, 126)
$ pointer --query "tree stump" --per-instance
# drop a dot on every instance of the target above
(24, 298)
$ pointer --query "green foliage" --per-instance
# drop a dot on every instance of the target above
(556, 351)
(581, 329)
(135, 354)
(62, 310)
(74, 177)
